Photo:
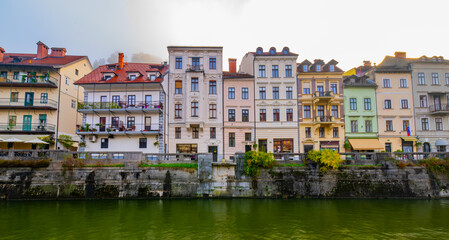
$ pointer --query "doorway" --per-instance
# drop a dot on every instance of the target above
(213, 150)
(102, 124)
(26, 123)
(263, 145)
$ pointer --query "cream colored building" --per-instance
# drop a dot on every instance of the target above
(238, 111)
(276, 119)
(124, 108)
(321, 106)
(395, 107)
(39, 97)
(194, 87)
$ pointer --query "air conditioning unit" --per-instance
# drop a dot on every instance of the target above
(92, 138)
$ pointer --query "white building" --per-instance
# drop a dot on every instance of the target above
(124, 107)
(194, 90)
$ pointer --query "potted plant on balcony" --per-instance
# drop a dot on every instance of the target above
(93, 129)
(156, 143)
(99, 125)
(87, 127)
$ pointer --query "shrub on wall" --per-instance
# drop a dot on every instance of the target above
(24, 163)
(254, 160)
(326, 159)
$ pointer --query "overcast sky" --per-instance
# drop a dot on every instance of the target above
(348, 31)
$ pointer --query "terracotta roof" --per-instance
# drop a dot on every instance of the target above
(325, 67)
(358, 81)
(25, 59)
(236, 75)
(121, 75)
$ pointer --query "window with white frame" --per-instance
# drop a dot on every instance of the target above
(245, 93)
(386, 83)
(446, 77)
(289, 93)
(421, 78)
(353, 104)
(305, 68)
(439, 124)
(354, 127)
(387, 103)
(423, 101)
(367, 103)
(405, 125)
(288, 70)
(194, 109)
(403, 83)
(404, 103)
(318, 68)
(435, 79)
(389, 125)
(334, 88)
(275, 71)
(331, 68)
(368, 126)
(262, 72)
(425, 124)
(275, 92)
(334, 111)
(262, 93)
(231, 93)
(307, 112)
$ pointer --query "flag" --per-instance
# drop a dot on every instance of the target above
(409, 131)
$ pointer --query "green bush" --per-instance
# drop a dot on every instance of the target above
(171, 165)
(24, 163)
(326, 159)
(254, 160)
(436, 165)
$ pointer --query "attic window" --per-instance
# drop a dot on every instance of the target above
(152, 77)
(331, 68)
(259, 50)
(318, 68)
(352, 80)
(305, 68)
(107, 77)
(285, 50)
(132, 77)
(272, 51)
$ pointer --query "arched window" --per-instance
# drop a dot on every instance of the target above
(272, 51)
(426, 147)
(259, 50)
(285, 50)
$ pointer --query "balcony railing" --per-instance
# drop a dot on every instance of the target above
(323, 94)
(118, 128)
(442, 108)
(25, 81)
(120, 105)
(324, 119)
(31, 127)
(38, 103)
(195, 67)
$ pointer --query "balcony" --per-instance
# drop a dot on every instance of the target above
(195, 68)
(120, 106)
(324, 120)
(29, 81)
(37, 128)
(439, 109)
(118, 129)
(322, 97)
(27, 103)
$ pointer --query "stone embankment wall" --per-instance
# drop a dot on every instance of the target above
(281, 182)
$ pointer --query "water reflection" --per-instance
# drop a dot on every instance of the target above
(229, 219)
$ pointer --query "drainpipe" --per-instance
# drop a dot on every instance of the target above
(254, 101)
(57, 114)
(413, 100)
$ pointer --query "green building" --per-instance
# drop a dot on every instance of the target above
(360, 113)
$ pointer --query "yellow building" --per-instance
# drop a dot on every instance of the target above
(320, 106)
(38, 96)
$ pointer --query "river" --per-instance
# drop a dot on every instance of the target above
(225, 219)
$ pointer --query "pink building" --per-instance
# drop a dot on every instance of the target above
(238, 111)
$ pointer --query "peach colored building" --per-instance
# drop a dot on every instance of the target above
(238, 113)
(395, 103)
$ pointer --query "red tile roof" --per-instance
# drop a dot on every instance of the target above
(121, 75)
(25, 59)
(236, 75)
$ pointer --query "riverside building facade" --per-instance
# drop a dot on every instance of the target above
(195, 90)
(38, 96)
(238, 104)
(124, 108)
(320, 104)
(275, 99)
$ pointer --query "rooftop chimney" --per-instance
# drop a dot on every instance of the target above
(232, 65)
(400, 54)
(120, 60)
(2, 51)
(58, 52)
(366, 63)
(42, 50)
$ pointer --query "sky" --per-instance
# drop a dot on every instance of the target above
(348, 31)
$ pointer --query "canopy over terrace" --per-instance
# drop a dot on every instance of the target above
(19, 141)
(365, 144)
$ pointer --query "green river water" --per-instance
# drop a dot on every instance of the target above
(225, 219)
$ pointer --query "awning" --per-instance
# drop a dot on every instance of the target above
(409, 139)
(365, 144)
(329, 144)
(21, 137)
(441, 142)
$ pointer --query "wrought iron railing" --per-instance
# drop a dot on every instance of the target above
(121, 105)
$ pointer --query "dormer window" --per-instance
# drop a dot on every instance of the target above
(305, 68)
(318, 68)
(331, 68)
(285, 50)
(352, 80)
(152, 77)
(107, 76)
(132, 77)
(259, 50)
(272, 51)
